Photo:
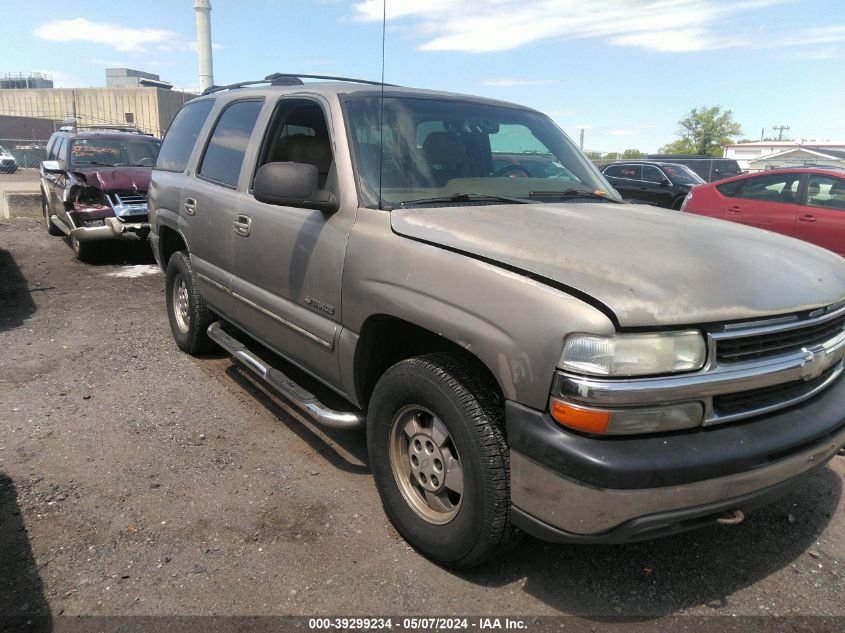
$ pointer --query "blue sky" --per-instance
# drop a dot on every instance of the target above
(623, 70)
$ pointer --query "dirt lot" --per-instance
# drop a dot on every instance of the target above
(136, 480)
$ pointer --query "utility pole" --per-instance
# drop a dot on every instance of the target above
(780, 129)
(581, 142)
(202, 9)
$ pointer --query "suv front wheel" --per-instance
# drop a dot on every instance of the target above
(189, 317)
(52, 229)
(440, 461)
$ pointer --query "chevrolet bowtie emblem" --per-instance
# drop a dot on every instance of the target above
(812, 365)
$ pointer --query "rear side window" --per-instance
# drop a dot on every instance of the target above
(181, 136)
(224, 154)
(772, 188)
(632, 172)
(613, 171)
(730, 189)
(60, 149)
(652, 174)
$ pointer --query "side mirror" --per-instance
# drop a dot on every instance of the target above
(51, 167)
(292, 185)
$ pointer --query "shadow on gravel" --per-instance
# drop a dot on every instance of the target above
(23, 606)
(16, 304)
(352, 441)
(658, 578)
(111, 252)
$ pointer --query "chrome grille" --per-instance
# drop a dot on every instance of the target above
(129, 206)
(782, 341)
(765, 398)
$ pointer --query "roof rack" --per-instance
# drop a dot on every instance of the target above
(290, 79)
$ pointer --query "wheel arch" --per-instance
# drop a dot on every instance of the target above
(385, 340)
(170, 241)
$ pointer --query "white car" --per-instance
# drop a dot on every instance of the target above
(8, 164)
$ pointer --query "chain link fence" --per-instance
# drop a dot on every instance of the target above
(27, 152)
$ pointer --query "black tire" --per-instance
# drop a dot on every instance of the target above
(52, 229)
(84, 251)
(442, 386)
(189, 318)
(677, 204)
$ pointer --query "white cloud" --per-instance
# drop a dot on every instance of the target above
(120, 37)
(658, 25)
(517, 82)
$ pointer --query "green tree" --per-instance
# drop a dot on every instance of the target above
(704, 131)
(632, 153)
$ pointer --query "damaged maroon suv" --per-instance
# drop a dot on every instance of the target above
(94, 186)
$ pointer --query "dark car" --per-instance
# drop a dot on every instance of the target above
(94, 186)
(660, 184)
(806, 203)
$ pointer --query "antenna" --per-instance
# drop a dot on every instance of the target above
(381, 105)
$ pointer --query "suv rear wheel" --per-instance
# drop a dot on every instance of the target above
(189, 317)
(439, 458)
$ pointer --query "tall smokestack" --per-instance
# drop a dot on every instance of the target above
(202, 8)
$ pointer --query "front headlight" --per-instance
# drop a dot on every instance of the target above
(634, 354)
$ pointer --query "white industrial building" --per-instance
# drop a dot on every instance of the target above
(770, 154)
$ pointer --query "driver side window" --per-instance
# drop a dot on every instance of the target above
(298, 133)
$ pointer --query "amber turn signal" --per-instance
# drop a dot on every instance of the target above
(580, 419)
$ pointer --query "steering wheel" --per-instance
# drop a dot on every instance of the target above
(512, 171)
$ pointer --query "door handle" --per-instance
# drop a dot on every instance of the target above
(807, 218)
(735, 209)
(242, 223)
(190, 206)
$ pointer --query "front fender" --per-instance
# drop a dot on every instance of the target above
(513, 324)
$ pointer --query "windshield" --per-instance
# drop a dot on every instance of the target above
(436, 149)
(681, 174)
(113, 152)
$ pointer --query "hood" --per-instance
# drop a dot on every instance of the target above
(648, 266)
(117, 178)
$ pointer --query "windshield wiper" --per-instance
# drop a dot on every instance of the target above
(573, 192)
(465, 197)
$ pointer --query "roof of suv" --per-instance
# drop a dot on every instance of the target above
(332, 88)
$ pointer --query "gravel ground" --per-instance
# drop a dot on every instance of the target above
(136, 480)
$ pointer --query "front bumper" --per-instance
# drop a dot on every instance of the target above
(568, 487)
(112, 229)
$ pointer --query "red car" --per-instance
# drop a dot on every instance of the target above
(806, 203)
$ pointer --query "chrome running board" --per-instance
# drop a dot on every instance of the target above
(303, 399)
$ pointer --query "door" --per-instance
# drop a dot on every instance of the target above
(626, 179)
(655, 187)
(210, 203)
(821, 218)
(768, 201)
(55, 183)
(289, 261)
